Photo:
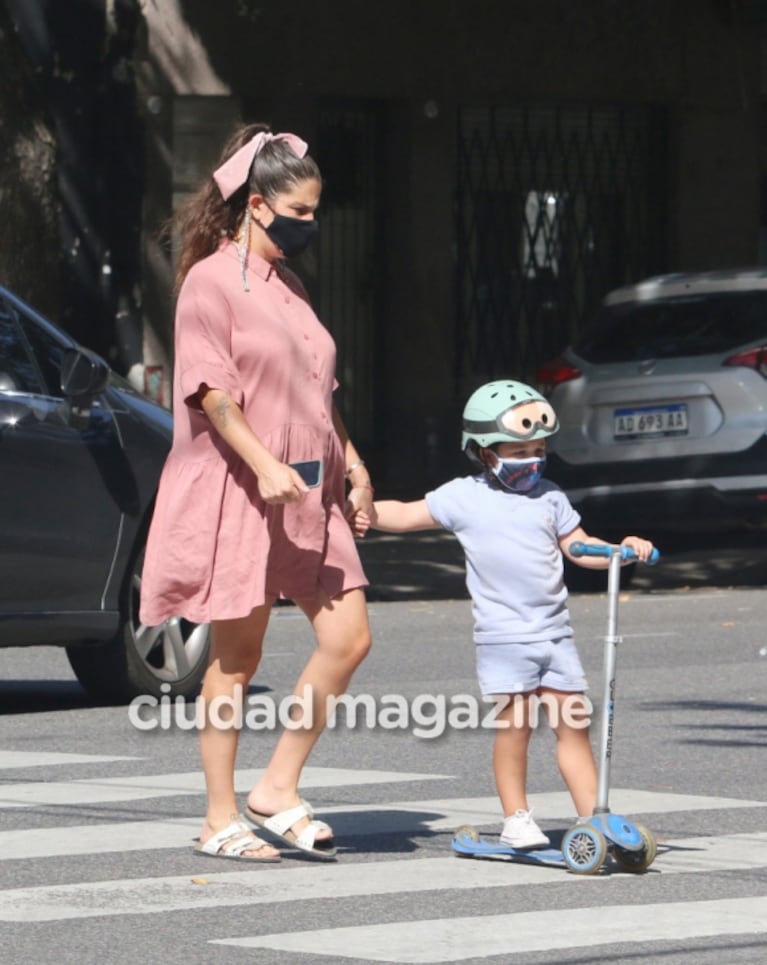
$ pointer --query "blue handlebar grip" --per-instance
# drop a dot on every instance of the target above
(628, 554)
(589, 549)
(602, 549)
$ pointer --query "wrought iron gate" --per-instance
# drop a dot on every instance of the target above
(554, 207)
(349, 252)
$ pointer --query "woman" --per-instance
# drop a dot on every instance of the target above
(235, 526)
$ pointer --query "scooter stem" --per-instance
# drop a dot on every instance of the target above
(608, 688)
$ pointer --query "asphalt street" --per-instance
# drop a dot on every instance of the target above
(98, 816)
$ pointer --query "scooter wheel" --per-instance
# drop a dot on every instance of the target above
(466, 831)
(584, 849)
(637, 861)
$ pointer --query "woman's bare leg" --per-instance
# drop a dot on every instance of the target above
(235, 655)
(343, 640)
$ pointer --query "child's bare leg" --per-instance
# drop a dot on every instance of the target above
(510, 753)
(575, 758)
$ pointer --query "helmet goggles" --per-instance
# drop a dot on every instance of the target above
(523, 421)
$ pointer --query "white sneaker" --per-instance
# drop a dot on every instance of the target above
(520, 831)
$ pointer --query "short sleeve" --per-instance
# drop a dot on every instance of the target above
(203, 344)
(567, 518)
(448, 503)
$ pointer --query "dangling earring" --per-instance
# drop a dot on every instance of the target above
(242, 249)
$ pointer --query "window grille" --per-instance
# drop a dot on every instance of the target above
(554, 207)
(348, 267)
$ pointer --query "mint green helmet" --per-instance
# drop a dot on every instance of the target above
(505, 411)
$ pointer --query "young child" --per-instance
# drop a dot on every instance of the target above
(514, 527)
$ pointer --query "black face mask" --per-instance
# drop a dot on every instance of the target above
(291, 235)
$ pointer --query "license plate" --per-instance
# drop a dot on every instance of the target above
(656, 420)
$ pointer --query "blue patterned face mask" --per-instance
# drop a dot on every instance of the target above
(519, 475)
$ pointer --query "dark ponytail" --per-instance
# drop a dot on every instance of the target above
(203, 220)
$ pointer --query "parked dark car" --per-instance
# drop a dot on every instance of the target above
(80, 457)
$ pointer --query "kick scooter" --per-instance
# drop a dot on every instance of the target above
(585, 846)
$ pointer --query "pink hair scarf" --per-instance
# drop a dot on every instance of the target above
(233, 173)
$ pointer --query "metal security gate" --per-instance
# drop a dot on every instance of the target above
(555, 206)
(349, 252)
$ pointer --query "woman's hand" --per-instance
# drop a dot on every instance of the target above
(280, 483)
(359, 500)
(360, 524)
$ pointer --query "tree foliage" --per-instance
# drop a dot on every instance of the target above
(28, 183)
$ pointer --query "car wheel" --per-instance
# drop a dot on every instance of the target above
(169, 659)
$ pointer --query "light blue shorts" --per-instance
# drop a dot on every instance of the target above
(518, 668)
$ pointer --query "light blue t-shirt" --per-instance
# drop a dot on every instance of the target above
(514, 566)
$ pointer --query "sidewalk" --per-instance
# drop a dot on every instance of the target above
(429, 565)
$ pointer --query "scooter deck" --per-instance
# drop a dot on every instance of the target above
(466, 847)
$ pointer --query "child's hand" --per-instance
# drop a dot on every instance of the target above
(642, 547)
(360, 523)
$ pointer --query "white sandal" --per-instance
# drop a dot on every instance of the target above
(280, 824)
(232, 843)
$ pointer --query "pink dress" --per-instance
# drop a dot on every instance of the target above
(215, 550)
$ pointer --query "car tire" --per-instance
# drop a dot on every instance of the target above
(167, 660)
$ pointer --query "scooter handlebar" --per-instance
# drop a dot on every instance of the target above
(604, 549)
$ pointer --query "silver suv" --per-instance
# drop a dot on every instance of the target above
(662, 402)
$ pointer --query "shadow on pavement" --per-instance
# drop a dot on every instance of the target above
(429, 565)
(414, 566)
(736, 558)
(38, 696)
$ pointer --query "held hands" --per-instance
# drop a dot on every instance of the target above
(360, 523)
(359, 501)
(359, 508)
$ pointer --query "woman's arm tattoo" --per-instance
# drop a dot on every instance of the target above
(220, 412)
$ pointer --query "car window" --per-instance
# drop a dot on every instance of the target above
(674, 327)
(47, 352)
(18, 373)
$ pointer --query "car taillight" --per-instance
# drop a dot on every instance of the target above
(753, 358)
(553, 373)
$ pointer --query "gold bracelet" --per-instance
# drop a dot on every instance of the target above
(356, 465)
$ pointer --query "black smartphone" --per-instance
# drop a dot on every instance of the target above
(310, 472)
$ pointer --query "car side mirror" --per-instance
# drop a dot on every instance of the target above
(83, 374)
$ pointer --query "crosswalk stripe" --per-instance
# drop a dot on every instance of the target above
(299, 881)
(103, 790)
(349, 820)
(18, 759)
(556, 804)
(458, 939)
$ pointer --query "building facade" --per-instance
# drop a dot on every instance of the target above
(491, 170)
